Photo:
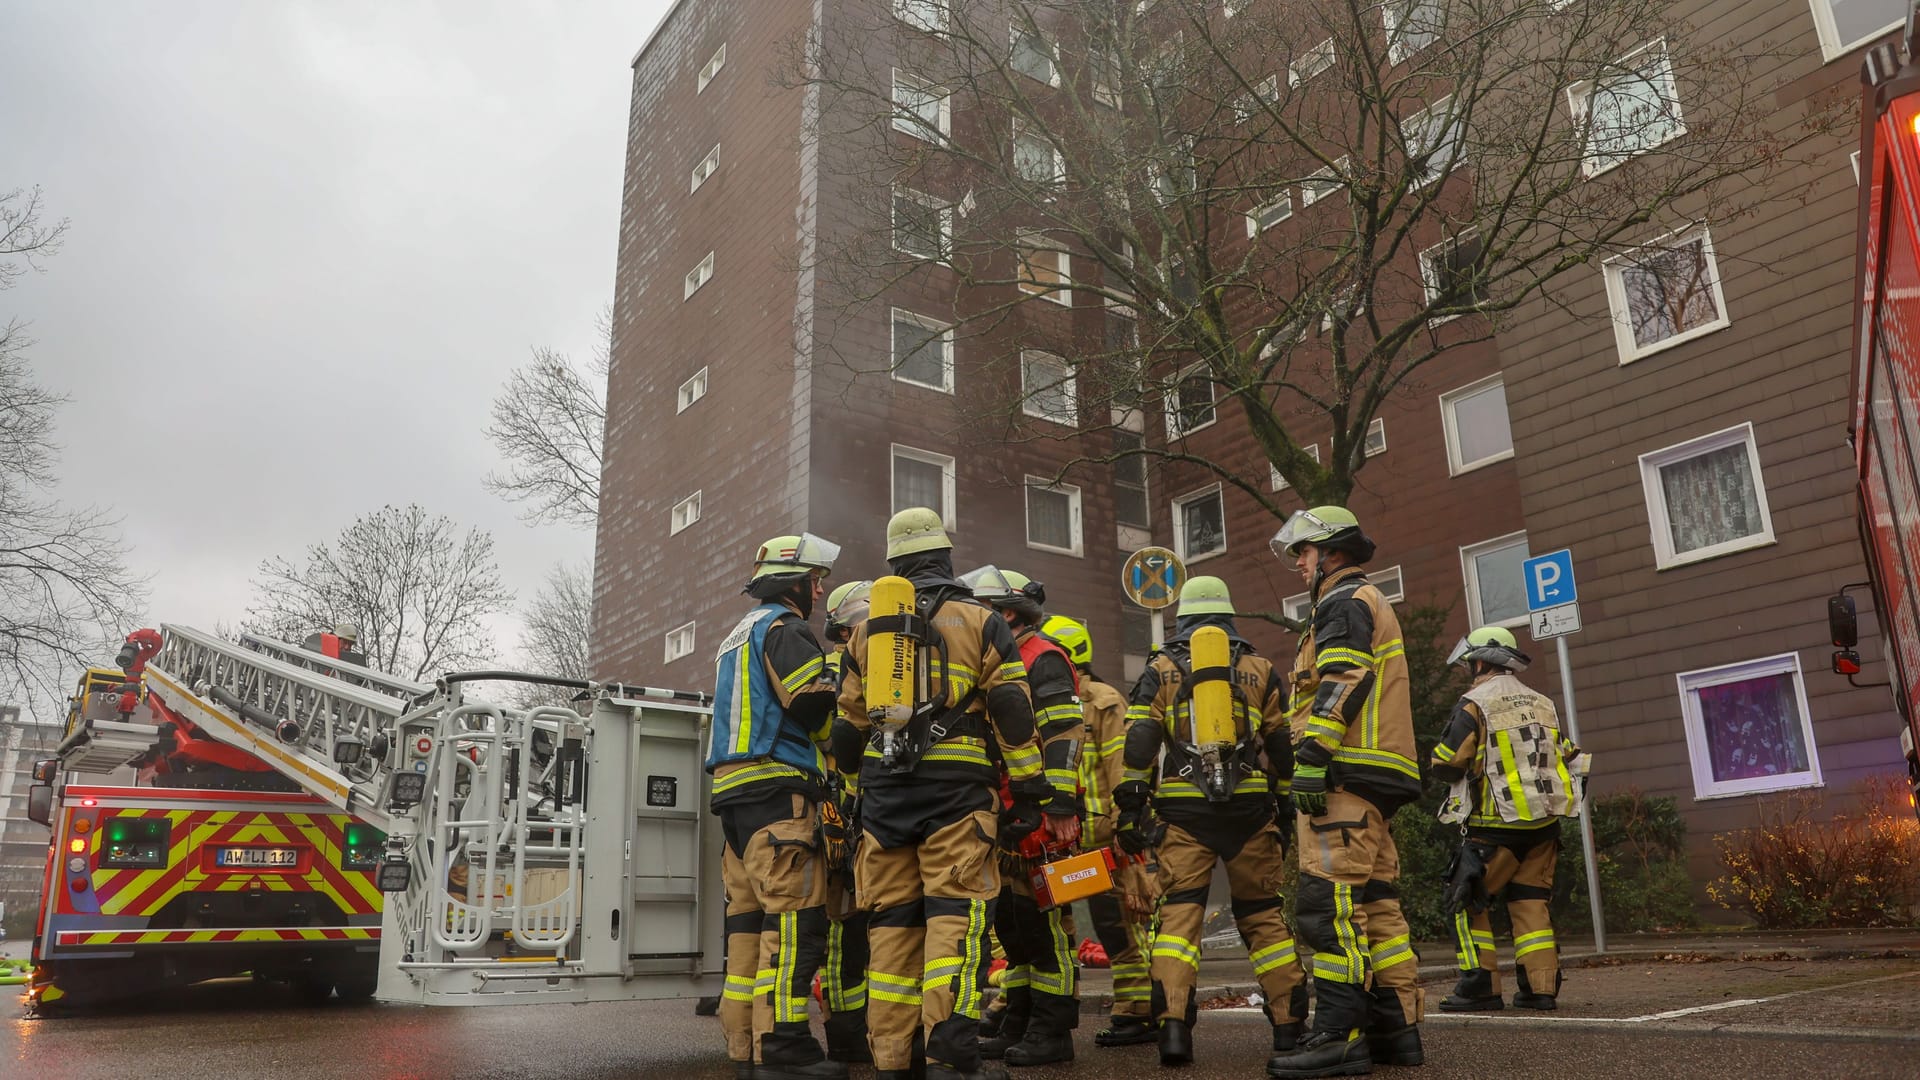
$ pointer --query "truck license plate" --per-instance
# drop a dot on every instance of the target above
(258, 857)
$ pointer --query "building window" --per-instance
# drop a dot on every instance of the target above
(1280, 482)
(1192, 407)
(1180, 178)
(1475, 420)
(699, 276)
(922, 351)
(929, 15)
(1053, 516)
(1035, 56)
(1748, 727)
(1451, 273)
(1130, 504)
(1047, 388)
(1434, 136)
(1412, 25)
(1845, 25)
(713, 66)
(1310, 63)
(1323, 183)
(1044, 270)
(923, 478)
(705, 169)
(1346, 305)
(1200, 524)
(1298, 607)
(1262, 218)
(1664, 293)
(691, 391)
(1376, 440)
(685, 513)
(679, 642)
(1249, 105)
(1105, 66)
(1706, 498)
(922, 109)
(1628, 112)
(922, 225)
(1035, 160)
(1496, 594)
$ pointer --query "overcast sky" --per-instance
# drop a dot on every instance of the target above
(308, 242)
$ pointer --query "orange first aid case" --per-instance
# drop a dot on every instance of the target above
(1075, 877)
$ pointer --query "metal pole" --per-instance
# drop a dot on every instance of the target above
(1586, 814)
(1159, 627)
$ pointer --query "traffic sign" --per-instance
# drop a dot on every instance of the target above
(1549, 580)
(1152, 577)
(1556, 622)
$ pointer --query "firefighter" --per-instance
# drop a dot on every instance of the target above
(1354, 766)
(772, 714)
(1513, 774)
(1224, 767)
(1040, 987)
(925, 868)
(1122, 918)
(843, 981)
(341, 644)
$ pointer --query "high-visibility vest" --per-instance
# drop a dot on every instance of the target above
(749, 722)
(1524, 779)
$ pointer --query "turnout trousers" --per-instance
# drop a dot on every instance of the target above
(1365, 973)
(1127, 937)
(776, 885)
(843, 981)
(1254, 874)
(927, 875)
(1521, 866)
(1042, 976)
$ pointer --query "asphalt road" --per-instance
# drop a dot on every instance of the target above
(1699, 1021)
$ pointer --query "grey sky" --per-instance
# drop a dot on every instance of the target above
(308, 243)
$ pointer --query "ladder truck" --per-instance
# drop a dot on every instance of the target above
(525, 855)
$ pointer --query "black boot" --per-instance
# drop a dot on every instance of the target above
(986, 1071)
(1322, 1053)
(1012, 1026)
(1049, 1039)
(1125, 1031)
(707, 1006)
(788, 1052)
(743, 1070)
(1400, 1047)
(847, 1037)
(1473, 993)
(1176, 1042)
(818, 1070)
(1525, 998)
(1287, 1036)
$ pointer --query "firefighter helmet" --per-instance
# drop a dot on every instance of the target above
(1205, 596)
(914, 530)
(803, 554)
(847, 606)
(1333, 528)
(999, 588)
(1071, 636)
(346, 632)
(1493, 645)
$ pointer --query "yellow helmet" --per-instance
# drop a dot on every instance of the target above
(1072, 637)
(794, 555)
(916, 529)
(1205, 595)
(1332, 527)
(1494, 645)
(848, 604)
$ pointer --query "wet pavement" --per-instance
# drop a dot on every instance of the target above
(1694, 1018)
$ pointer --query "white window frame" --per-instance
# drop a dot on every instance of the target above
(1854, 159)
(711, 69)
(686, 513)
(1303, 601)
(1831, 47)
(1397, 50)
(1437, 171)
(1174, 430)
(1430, 274)
(1061, 293)
(945, 337)
(1180, 522)
(1665, 558)
(707, 167)
(908, 122)
(1334, 178)
(673, 636)
(1310, 63)
(930, 202)
(691, 391)
(1284, 204)
(698, 277)
(914, 13)
(1072, 492)
(1581, 93)
(1247, 105)
(1067, 385)
(1375, 442)
(1611, 269)
(1298, 602)
(1450, 424)
(948, 513)
(1470, 577)
(1014, 34)
(1698, 755)
(1279, 482)
(1059, 173)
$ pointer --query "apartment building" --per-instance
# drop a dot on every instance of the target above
(23, 843)
(1691, 455)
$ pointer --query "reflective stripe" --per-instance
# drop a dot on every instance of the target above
(804, 674)
(1347, 935)
(1054, 714)
(898, 989)
(1013, 669)
(1442, 754)
(743, 739)
(785, 1010)
(1466, 942)
(1015, 976)
(1392, 951)
(1358, 657)
(1325, 726)
(1175, 948)
(1380, 759)
(1187, 789)
(1273, 956)
(763, 982)
(1139, 712)
(1023, 761)
(965, 751)
(1131, 773)
(1532, 943)
(945, 967)
(966, 1001)
(1331, 968)
(756, 772)
(1510, 774)
(739, 988)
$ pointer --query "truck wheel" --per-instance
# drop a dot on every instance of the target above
(356, 987)
(313, 990)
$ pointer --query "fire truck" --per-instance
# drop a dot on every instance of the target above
(1884, 422)
(308, 819)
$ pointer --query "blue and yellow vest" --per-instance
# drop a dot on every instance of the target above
(749, 723)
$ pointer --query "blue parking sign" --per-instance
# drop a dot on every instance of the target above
(1549, 580)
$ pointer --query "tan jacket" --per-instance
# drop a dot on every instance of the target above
(1350, 690)
(1102, 761)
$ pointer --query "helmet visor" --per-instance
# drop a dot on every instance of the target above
(988, 583)
(1459, 653)
(1302, 528)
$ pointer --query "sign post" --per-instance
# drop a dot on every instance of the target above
(1553, 607)
(1152, 578)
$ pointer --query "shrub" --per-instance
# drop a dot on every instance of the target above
(1639, 846)
(1804, 867)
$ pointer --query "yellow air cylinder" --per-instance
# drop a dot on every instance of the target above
(1212, 701)
(889, 668)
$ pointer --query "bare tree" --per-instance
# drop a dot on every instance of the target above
(548, 423)
(1279, 209)
(554, 641)
(65, 590)
(419, 590)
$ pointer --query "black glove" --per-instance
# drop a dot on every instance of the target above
(1018, 821)
(1286, 818)
(1465, 882)
(1131, 795)
(1031, 789)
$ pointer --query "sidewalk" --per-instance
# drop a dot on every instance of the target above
(1223, 974)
